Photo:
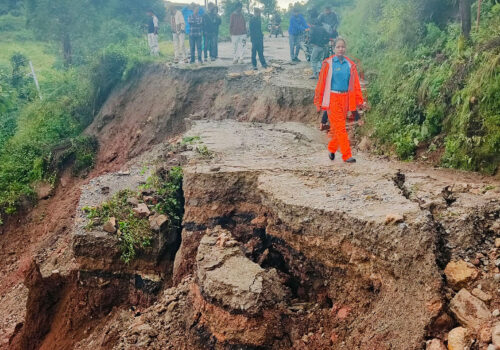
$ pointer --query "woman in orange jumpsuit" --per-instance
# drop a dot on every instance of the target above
(339, 91)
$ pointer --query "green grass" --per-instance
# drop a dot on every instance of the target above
(135, 233)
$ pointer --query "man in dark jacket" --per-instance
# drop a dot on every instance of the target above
(329, 20)
(318, 38)
(257, 39)
(209, 32)
(217, 22)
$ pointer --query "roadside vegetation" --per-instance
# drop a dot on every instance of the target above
(434, 91)
(40, 132)
(164, 188)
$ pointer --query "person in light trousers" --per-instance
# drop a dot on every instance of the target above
(153, 34)
(178, 26)
(238, 31)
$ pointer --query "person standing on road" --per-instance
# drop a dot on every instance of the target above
(195, 33)
(178, 27)
(257, 39)
(339, 91)
(238, 31)
(330, 21)
(217, 22)
(297, 27)
(209, 33)
(153, 34)
(318, 39)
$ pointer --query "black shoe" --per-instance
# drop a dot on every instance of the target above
(296, 60)
(331, 156)
(255, 68)
(265, 66)
(351, 160)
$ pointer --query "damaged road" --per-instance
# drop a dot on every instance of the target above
(280, 247)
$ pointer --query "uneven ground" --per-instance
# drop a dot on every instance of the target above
(280, 247)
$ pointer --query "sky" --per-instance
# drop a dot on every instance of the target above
(281, 3)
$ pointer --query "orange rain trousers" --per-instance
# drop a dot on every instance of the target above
(337, 114)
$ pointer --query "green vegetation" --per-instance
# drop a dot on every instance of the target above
(430, 88)
(40, 136)
(134, 232)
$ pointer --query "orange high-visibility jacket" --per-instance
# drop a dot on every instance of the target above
(323, 88)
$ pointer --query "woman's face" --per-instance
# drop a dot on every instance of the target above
(340, 48)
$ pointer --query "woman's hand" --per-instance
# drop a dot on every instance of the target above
(364, 106)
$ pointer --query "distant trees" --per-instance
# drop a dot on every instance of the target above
(67, 21)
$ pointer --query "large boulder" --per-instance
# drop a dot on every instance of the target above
(228, 278)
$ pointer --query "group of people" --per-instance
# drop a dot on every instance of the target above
(338, 90)
(203, 31)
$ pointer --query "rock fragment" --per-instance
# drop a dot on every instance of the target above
(110, 225)
(460, 273)
(481, 294)
(495, 334)
(469, 310)
(158, 222)
(435, 344)
(458, 339)
(393, 219)
(141, 211)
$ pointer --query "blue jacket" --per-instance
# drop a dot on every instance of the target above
(297, 25)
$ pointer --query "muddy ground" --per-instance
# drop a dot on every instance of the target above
(280, 247)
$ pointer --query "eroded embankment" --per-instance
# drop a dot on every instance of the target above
(280, 248)
(162, 101)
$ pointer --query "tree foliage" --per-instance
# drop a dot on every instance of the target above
(430, 90)
(83, 26)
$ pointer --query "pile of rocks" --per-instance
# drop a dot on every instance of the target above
(474, 305)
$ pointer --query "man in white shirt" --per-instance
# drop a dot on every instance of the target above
(153, 34)
(178, 26)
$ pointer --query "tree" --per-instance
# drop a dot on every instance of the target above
(59, 20)
(465, 16)
(86, 22)
(269, 7)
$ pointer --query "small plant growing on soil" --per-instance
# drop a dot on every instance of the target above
(189, 140)
(204, 152)
(134, 232)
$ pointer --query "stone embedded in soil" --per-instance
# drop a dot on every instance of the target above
(481, 294)
(227, 277)
(496, 313)
(484, 334)
(435, 344)
(393, 219)
(469, 310)
(110, 225)
(491, 347)
(141, 211)
(158, 222)
(459, 339)
(460, 273)
(497, 242)
(132, 201)
(495, 334)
